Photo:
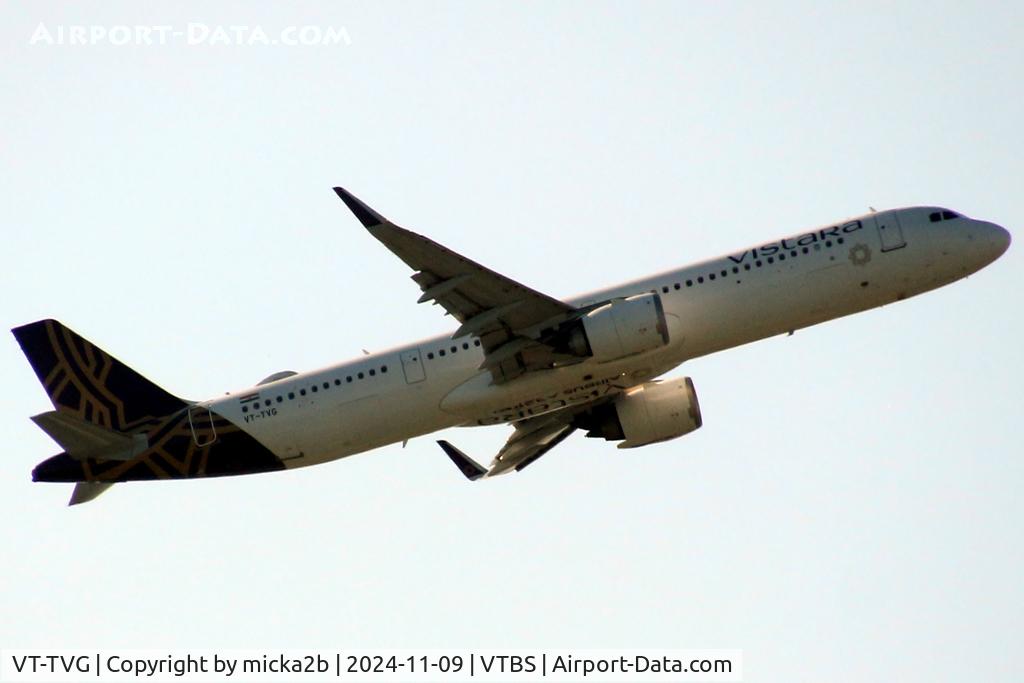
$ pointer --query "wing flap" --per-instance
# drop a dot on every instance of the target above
(524, 451)
(551, 443)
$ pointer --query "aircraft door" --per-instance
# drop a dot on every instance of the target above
(889, 231)
(412, 366)
(200, 420)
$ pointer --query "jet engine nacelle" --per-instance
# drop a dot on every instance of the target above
(652, 412)
(622, 327)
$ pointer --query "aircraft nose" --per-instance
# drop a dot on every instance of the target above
(1000, 239)
(991, 241)
(985, 243)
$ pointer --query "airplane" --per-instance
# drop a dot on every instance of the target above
(545, 366)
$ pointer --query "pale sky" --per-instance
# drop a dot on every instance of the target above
(850, 510)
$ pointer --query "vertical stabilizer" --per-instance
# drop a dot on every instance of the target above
(84, 381)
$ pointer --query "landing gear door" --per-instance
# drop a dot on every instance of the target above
(412, 366)
(889, 231)
(201, 421)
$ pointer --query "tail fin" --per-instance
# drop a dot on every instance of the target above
(85, 382)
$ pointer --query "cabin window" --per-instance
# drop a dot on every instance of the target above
(700, 279)
(441, 352)
(337, 382)
(935, 216)
(302, 392)
(476, 342)
(360, 375)
(291, 395)
(664, 290)
(689, 283)
(711, 276)
(314, 388)
(373, 372)
(383, 369)
(280, 399)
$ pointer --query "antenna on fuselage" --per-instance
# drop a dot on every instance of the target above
(872, 209)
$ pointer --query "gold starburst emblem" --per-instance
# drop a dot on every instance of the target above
(860, 254)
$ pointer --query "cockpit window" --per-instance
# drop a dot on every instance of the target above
(936, 216)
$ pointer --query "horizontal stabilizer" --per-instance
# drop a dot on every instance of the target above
(469, 467)
(88, 490)
(83, 440)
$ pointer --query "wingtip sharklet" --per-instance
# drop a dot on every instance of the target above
(367, 216)
(469, 467)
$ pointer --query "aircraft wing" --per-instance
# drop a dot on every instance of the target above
(532, 438)
(506, 315)
(520, 451)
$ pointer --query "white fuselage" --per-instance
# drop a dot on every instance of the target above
(408, 391)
